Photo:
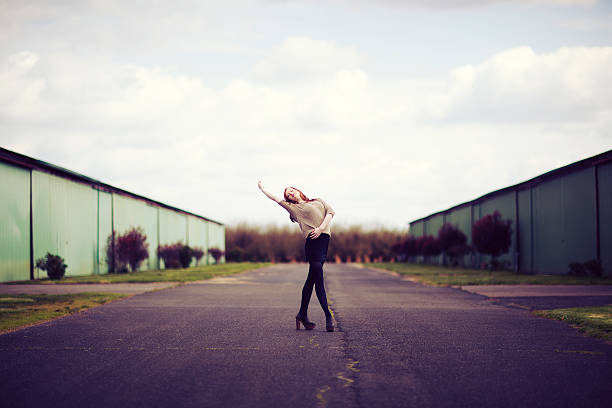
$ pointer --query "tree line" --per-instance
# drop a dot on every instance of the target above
(491, 235)
(246, 242)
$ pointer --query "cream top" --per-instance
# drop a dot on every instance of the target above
(308, 215)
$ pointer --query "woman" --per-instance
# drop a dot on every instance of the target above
(313, 216)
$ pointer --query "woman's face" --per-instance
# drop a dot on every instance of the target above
(293, 194)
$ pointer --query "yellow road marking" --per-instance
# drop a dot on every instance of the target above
(347, 381)
(321, 402)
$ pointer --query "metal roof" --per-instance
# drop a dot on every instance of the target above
(31, 163)
(579, 165)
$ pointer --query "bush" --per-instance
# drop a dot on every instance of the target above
(184, 256)
(405, 249)
(197, 254)
(170, 255)
(452, 242)
(492, 235)
(216, 253)
(112, 255)
(410, 246)
(127, 250)
(588, 268)
(427, 246)
(52, 264)
(133, 248)
(179, 255)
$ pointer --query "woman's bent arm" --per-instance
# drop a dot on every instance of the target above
(269, 195)
(314, 234)
(325, 222)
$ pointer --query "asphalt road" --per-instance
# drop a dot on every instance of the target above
(231, 342)
(57, 289)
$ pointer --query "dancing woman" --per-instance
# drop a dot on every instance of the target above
(313, 217)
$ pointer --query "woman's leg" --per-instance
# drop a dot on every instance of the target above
(307, 293)
(316, 269)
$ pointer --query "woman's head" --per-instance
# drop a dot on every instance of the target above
(293, 195)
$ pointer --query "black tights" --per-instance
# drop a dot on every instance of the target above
(315, 278)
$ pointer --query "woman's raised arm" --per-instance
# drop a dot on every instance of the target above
(269, 195)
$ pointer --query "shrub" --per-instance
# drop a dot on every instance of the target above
(427, 246)
(588, 268)
(594, 267)
(170, 254)
(197, 254)
(397, 249)
(112, 255)
(179, 255)
(133, 248)
(492, 235)
(410, 246)
(184, 256)
(52, 264)
(405, 249)
(112, 260)
(452, 242)
(216, 253)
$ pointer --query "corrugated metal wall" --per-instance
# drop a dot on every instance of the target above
(564, 222)
(105, 228)
(604, 192)
(557, 218)
(64, 222)
(74, 220)
(197, 235)
(506, 206)
(129, 213)
(216, 239)
(525, 227)
(462, 218)
(14, 223)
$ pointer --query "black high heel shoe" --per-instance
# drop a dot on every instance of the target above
(329, 324)
(308, 325)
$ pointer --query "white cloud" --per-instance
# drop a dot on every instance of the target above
(20, 92)
(310, 114)
(591, 23)
(301, 58)
(476, 3)
(519, 85)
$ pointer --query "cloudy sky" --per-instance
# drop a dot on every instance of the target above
(388, 109)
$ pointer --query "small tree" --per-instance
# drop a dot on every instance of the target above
(492, 236)
(427, 246)
(397, 249)
(184, 256)
(197, 254)
(410, 246)
(52, 264)
(112, 255)
(133, 248)
(179, 255)
(216, 253)
(405, 249)
(452, 242)
(170, 255)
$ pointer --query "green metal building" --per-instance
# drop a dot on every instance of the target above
(46, 208)
(558, 217)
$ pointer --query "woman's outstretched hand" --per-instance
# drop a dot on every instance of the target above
(314, 234)
(270, 196)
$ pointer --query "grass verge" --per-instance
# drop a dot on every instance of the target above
(164, 275)
(17, 311)
(592, 321)
(447, 276)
